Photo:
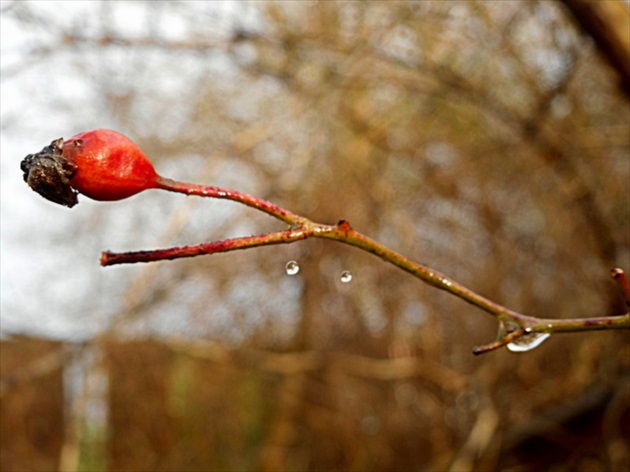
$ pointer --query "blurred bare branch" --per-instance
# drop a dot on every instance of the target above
(608, 23)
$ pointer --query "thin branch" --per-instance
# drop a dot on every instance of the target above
(502, 341)
(109, 258)
(303, 228)
(239, 197)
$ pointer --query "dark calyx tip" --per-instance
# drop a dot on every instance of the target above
(48, 173)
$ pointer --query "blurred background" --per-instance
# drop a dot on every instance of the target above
(488, 140)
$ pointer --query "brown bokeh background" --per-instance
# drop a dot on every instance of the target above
(489, 140)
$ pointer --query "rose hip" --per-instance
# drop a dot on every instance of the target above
(101, 164)
(105, 165)
(109, 165)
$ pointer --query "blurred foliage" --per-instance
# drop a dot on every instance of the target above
(486, 139)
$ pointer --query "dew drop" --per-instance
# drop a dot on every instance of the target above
(346, 276)
(528, 342)
(292, 267)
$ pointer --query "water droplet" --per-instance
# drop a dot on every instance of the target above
(346, 276)
(292, 267)
(528, 342)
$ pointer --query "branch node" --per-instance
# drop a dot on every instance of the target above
(622, 282)
(502, 341)
(344, 225)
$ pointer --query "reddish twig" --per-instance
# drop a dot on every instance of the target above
(619, 277)
(303, 228)
(282, 237)
(240, 197)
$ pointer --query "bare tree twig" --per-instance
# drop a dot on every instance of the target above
(302, 228)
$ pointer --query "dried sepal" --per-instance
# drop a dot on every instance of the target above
(48, 173)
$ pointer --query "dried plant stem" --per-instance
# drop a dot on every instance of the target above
(303, 228)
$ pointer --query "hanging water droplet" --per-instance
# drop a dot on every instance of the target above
(528, 342)
(292, 267)
(346, 276)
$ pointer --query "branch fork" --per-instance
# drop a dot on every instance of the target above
(106, 165)
(514, 327)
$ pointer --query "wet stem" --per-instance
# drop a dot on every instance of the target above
(514, 325)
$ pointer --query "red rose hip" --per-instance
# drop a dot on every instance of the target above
(109, 165)
(101, 164)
